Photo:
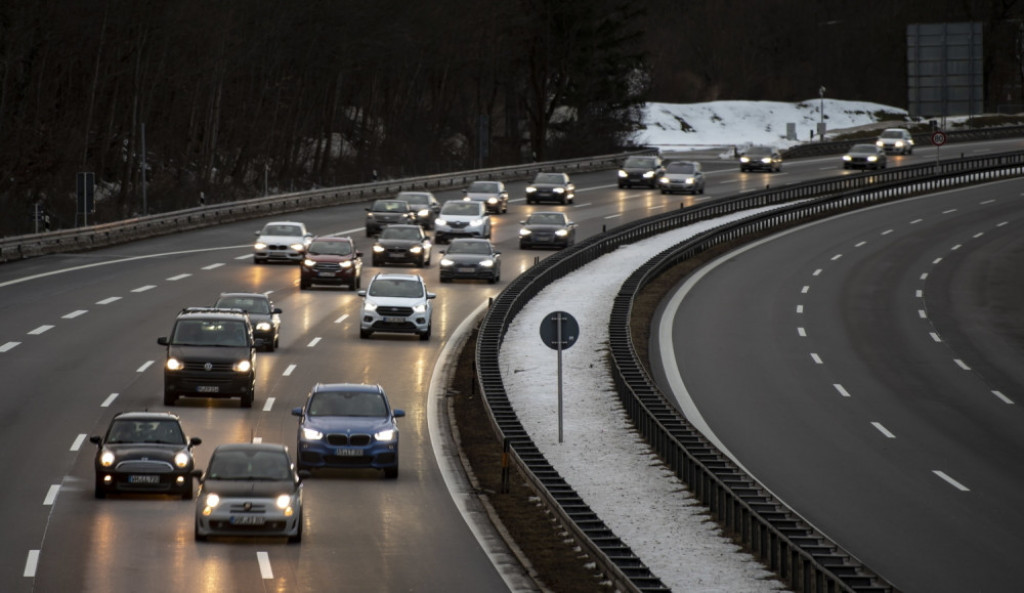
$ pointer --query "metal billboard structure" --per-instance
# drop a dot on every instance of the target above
(944, 69)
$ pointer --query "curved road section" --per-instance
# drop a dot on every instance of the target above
(867, 370)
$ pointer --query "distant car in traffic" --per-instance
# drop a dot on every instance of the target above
(761, 158)
(471, 259)
(641, 170)
(682, 176)
(384, 212)
(264, 316)
(462, 218)
(547, 229)
(423, 204)
(348, 425)
(397, 303)
(865, 156)
(551, 187)
(144, 452)
(282, 241)
(492, 193)
(402, 244)
(331, 260)
(896, 140)
(250, 489)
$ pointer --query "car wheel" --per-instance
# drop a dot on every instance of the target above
(247, 399)
(271, 345)
(425, 335)
(365, 333)
(297, 538)
(257, 261)
(170, 398)
(445, 280)
(198, 536)
(492, 279)
(100, 491)
(303, 285)
(187, 492)
(390, 473)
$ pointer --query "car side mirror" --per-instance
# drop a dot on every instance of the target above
(162, 340)
(96, 440)
(257, 233)
(398, 413)
(197, 474)
(431, 295)
(361, 293)
(297, 412)
(277, 311)
(195, 441)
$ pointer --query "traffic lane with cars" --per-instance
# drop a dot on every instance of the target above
(867, 405)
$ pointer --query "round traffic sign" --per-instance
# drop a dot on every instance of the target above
(559, 330)
(938, 138)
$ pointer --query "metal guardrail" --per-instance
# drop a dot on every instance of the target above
(952, 137)
(104, 235)
(797, 553)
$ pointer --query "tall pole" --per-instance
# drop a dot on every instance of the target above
(558, 337)
(145, 208)
(821, 113)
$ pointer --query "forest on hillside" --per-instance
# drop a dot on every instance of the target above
(226, 100)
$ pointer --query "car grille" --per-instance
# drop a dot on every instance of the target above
(394, 311)
(269, 526)
(278, 247)
(357, 440)
(148, 466)
(253, 507)
(458, 224)
(326, 267)
(216, 367)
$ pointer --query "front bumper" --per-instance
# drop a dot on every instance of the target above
(144, 477)
(346, 454)
(208, 384)
(249, 516)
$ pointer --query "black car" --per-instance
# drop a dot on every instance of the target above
(761, 158)
(471, 258)
(210, 353)
(144, 452)
(385, 212)
(865, 156)
(641, 170)
(492, 193)
(263, 315)
(424, 204)
(331, 260)
(547, 229)
(551, 187)
(403, 244)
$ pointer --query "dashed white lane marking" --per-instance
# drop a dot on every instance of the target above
(935, 336)
(288, 371)
(919, 293)
(817, 272)
(612, 216)
(144, 366)
(805, 290)
(108, 300)
(961, 364)
(922, 314)
(951, 481)
(956, 247)
(246, 256)
(842, 390)
(212, 266)
(816, 358)
(837, 256)
(801, 332)
(936, 260)
(978, 235)
(861, 244)
(144, 288)
(1000, 395)
(799, 308)
(75, 446)
(924, 276)
(950, 211)
(178, 277)
(269, 405)
(9, 346)
(917, 220)
(31, 563)
(1002, 224)
(74, 314)
(110, 399)
(39, 330)
(51, 495)
(313, 342)
(257, 440)
(265, 571)
(887, 232)
(883, 430)
(342, 318)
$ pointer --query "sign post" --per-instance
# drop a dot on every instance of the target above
(559, 330)
(938, 139)
(85, 184)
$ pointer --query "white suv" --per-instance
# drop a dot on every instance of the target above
(895, 140)
(462, 218)
(396, 303)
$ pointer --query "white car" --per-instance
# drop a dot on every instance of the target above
(462, 218)
(397, 303)
(896, 140)
(281, 241)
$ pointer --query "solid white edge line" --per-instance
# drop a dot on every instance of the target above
(31, 563)
(451, 467)
(265, 570)
(51, 494)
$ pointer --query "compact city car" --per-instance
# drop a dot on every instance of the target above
(144, 452)
(348, 425)
(282, 241)
(250, 489)
(264, 316)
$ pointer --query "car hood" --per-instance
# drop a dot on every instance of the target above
(680, 176)
(152, 451)
(481, 196)
(280, 239)
(546, 185)
(249, 488)
(466, 258)
(545, 227)
(395, 301)
(398, 242)
(347, 424)
(211, 353)
(460, 217)
(328, 257)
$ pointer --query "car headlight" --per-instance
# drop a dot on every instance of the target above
(345, 264)
(561, 232)
(242, 366)
(308, 263)
(766, 160)
(690, 180)
(107, 458)
(386, 434)
(311, 434)
(173, 364)
(899, 144)
(880, 144)
(744, 159)
(441, 222)
(476, 222)
(369, 215)
(419, 308)
(664, 180)
(210, 502)
(487, 263)
(260, 246)
(623, 173)
(559, 190)
(492, 200)
(423, 213)
(369, 306)
(648, 174)
(416, 249)
(525, 232)
(872, 158)
(263, 326)
(181, 459)
(530, 189)
(298, 246)
(446, 263)
(847, 157)
(378, 249)
(283, 501)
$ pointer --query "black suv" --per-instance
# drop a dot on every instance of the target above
(211, 352)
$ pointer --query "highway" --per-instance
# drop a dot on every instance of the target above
(78, 344)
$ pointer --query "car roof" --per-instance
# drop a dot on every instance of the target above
(349, 387)
(398, 276)
(338, 238)
(251, 447)
(212, 312)
(252, 295)
(146, 416)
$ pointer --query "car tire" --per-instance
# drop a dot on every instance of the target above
(198, 536)
(303, 285)
(100, 492)
(445, 280)
(365, 333)
(375, 262)
(297, 538)
(390, 473)
(170, 398)
(247, 399)
(425, 335)
(188, 493)
(492, 279)
(271, 345)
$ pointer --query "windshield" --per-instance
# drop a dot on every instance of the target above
(859, 148)
(209, 332)
(546, 218)
(390, 206)
(483, 187)
(409, 233)
(681, 168)
(892, 134)
(469, 247)
(249, 465)
(639, 161)
(347, 403)
(164, 432)
(549, 178)
(257, 305)
(395, 287)
(285, 230)
(461, 208)
(330, 248)
(412, 198)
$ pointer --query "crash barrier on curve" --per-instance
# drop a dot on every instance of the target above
(113, 233)
(795, 551)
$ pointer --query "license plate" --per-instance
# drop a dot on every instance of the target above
(326, 274)
(248, 520)
(208, 389)
(467, 270)
(143, 479)
(348, 452)
(394, 319)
